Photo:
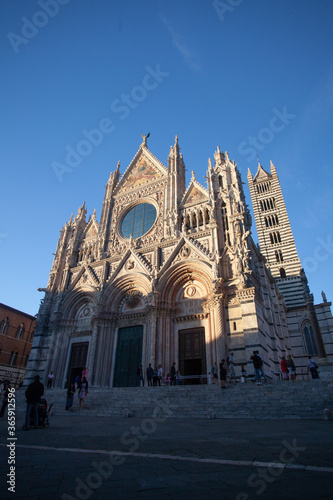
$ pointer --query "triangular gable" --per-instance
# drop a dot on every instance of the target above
(187, 243)
(195, 194)
(91, 230)
(132, 261)
(143, 169)
(261, 175)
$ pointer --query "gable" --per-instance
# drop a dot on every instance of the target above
(194, 195)
(142, 172)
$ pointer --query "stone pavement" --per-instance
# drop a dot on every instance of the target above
(84, 457)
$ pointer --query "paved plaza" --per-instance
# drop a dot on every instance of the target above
(80, 457)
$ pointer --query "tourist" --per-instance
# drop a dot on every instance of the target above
(178, 378)
(243, 374)
(312, 367)
(33, 394)
(50, 379)
(167, 379)
(77, 381)
(85, 373)
(150, 373)
(173, 374)
(70, 397)
(230, 362)
(140, 378)
(83, 392)
(214, 373)
(284, 368)
(291, 367)
(160, 374)
(258, 367)
(155, 376)
(223, 374)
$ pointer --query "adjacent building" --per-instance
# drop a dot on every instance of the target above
(171, 273)
(16, 335)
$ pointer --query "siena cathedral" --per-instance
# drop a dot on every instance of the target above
(171, 274)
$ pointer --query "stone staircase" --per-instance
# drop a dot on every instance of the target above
(274, 400)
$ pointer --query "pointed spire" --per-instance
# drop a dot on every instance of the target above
(193, 176)
(176, 146)
(71, 219)
(210, 164)
(94, 214)
(273, 169)
(249, 175)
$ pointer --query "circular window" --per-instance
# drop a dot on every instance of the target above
(138, 220)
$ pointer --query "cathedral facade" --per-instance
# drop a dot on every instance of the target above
(171, 274)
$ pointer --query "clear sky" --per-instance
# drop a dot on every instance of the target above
(215, 73)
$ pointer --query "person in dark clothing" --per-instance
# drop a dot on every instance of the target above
(223, 374)
(140, 379)
(258, 367)
(150, 373)
(173, 374)
(33, 394)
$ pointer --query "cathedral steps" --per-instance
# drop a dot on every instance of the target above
(279, 400)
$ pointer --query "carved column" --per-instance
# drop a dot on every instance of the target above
(92, 353)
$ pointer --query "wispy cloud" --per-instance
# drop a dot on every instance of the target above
(192, 59)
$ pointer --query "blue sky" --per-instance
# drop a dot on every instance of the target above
(215, 73)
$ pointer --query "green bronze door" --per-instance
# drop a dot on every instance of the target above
(128, 357)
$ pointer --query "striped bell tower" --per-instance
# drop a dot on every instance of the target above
(276, 239)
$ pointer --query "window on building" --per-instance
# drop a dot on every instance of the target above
(283, 273)
(235, 326)
(11, 357)
(26, 360)
(4, 325)
(20, 331)
(14, 359)
(309, 340)
(138, 220)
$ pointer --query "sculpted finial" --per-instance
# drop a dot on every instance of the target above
(144, 139)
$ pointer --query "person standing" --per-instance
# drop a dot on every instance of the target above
(223, 374)
(139, 373)
(291, 367)
(70, 397)
(312, 367)
(284, 368)
(214, 373)
(232, 374)
(33, 394)
(173, 374)
(257, 365)
(83, 392)
(150, 372)
(160, 374)
(50, 379)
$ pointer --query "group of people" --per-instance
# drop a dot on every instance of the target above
(80, 384)
(155, 376)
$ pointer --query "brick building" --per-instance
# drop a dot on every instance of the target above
(16, 334)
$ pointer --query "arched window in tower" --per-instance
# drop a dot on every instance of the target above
(14, 359)
(283, 272)
(309, 340)
(277, 256)
(266, 221)
(278, 237)
(281, 256)
(271, 238)
(11, 357)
